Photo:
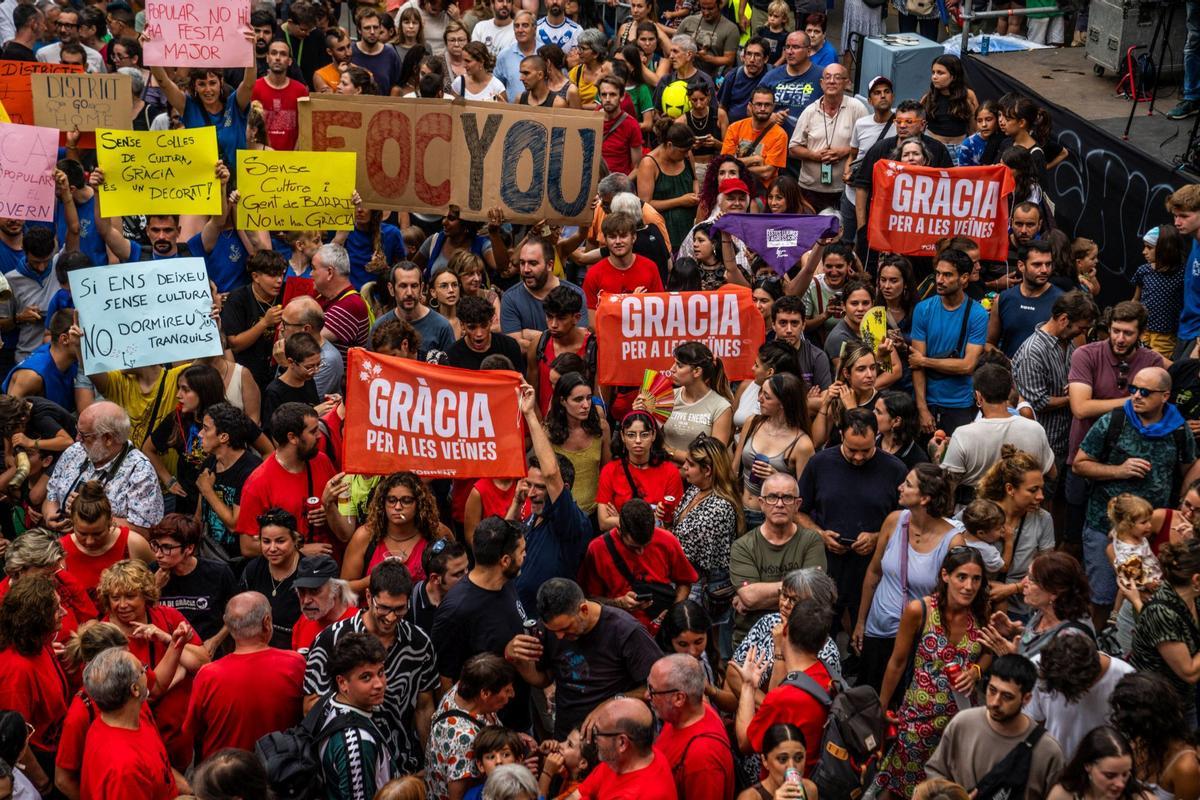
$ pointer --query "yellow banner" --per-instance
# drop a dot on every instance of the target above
(159, 172)
(295, 191)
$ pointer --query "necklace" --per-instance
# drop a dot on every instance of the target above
(275, 584)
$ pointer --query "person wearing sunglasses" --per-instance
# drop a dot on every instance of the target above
(1137, 448)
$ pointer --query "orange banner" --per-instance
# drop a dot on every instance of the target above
(437, 421)
(913, 207)
(637, 332)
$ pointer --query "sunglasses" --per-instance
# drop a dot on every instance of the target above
(1142, 391)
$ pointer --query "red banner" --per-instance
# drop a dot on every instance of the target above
(637, 332)
(913, 207)
(437, 421)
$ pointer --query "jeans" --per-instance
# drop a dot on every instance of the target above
(849, 220)
(1100, 574)
(1191, 53)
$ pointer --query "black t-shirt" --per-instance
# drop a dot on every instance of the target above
(47, 418)
(864, 178)
(285, 605)
(228, 486)
(1185, 387)
(848, 499)
(181, 433)
(240, 313)
(201, 595)
(278, 393)
(420, 608)
(473, 620)
(614, 657)
(462, 356)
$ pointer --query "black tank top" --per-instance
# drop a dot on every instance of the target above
(942, 122)
(707, 126)
(547, 103)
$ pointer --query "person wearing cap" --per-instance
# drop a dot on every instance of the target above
(324, 599)
(758, 141)
(733, 198)
(821, 139)
(867, 131)
(249, 693)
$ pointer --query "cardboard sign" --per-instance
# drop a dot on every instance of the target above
(913, 207)
(426, 155)
(148, 312)
(159, 172)
(637, 332)
(437, 421)
(197, 33)
(15, 92)
(295, 191)
(27, 159)
(87, 102)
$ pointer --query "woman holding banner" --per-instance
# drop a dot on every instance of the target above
(640, 468)
(778, 439)
(703, 400)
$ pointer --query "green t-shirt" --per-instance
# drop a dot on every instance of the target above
(643, 101)
(752, 559)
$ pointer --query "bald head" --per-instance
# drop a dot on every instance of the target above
(834, 80)
(304, 312)
(1153, 378)
(633, 719)
(248, 615)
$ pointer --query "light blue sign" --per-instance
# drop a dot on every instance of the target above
(145, 313)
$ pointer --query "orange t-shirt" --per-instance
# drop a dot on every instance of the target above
(773, 147)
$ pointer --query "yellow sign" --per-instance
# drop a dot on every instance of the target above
(295, 191)
(159, 172)
(3, 114)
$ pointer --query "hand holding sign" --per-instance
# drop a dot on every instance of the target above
(161, 172)
(198, 34)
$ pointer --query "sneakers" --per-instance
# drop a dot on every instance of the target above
(1184, 110)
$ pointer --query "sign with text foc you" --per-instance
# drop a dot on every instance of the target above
(148, 312)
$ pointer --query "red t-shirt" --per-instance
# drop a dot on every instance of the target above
(75, 729)
(604, 277)
(652, 782)
(243, 697)
(75, 600)
(789, 704)
(620, 136)
(271, 485)
(37, 687)
(86, 568)
(653, 483)
(280, 110)
(120, 764)
(306, 630)
(661, 561)
(707, 769)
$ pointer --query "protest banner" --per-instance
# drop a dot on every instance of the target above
(145, 313)
(436, 421)
(198, 33)
(913, 207)
(160, 172)
(15, 92)
(779, 239)
(426, 155)
(27, 159)
(295, 190)
(69, 101)
(637, 332)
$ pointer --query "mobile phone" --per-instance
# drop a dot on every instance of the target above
(644, 597)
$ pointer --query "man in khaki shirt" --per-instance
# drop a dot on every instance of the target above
(821, 139)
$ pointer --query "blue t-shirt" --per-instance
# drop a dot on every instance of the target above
(508, 69)
(194, 245)
(62, 299)
(384, 66)
(794, 92)
(361, 249)
(230, 124)
(735, 93)
(939, 329)
(554, 546)
(1020, 315)
(1189, 321)
(91, 243)
(520, 310)
(226, 263)
(825, 56)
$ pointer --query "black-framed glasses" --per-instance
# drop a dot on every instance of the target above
(1143, 391)
(779, 499)
(654, 692)
(400, 501)
(388, 611)
(165, 549)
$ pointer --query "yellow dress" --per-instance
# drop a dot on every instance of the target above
(587, 473)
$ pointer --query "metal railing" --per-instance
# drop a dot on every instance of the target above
(969, 15)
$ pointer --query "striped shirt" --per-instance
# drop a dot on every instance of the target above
(347, 319)
(354, 763)
(1040, 369)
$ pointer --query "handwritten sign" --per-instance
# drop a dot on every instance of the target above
(145, 313)
(295, 191)
(15, 92)
(159, 172)
(27, 158)
(87, 102)
(197, 33)
(426, 155)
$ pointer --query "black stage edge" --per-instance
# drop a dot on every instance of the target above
(1107, 189)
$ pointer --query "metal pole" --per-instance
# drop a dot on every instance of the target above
(970, 14)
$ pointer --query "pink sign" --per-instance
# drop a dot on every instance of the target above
(27, 158)
(197, 33)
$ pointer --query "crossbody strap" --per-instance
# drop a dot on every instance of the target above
(619, 562)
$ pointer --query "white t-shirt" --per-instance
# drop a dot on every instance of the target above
(1067, 722)
(975, 447)
(494, 89)
(565, 35)
(496, 37)
(866, 133)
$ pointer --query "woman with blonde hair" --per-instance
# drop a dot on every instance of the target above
(455, 38)
(472, 272)
(710, 512)
(256, 127)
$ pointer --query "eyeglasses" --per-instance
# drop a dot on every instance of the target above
(1142, 391)
(652, 692)
(779, 499)
(400, 501)
(388, 611)
(789, 598)
(1122, 375)
(165, 549)
(596, 734)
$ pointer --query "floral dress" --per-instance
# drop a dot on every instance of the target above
(707, 532)
(928, 702)
(449, 756)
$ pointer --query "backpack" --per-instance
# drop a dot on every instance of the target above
(1009, 776)
(851, 738)
(1117, 424)
(292, 758)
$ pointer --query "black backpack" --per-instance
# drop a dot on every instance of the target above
(292, 758)
(1009, 776)
(851, 739)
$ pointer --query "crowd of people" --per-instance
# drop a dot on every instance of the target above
(976, 534)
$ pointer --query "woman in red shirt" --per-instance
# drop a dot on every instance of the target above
(33, 683)
(128, 596)
(95, 544)
(639, 468)
(39, 552)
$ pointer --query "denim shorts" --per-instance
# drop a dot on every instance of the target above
(1100, 574)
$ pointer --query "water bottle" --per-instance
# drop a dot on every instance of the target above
(985, 45)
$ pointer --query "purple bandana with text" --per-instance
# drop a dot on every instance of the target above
(779, 239)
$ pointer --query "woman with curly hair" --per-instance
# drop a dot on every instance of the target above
(38, 552)
(579, 432)
(640, 468)
(34, 683)
(1145, 711)
(128, 596)
(401, 521)
(1055, 589)
(1103, 767)
(721, 168)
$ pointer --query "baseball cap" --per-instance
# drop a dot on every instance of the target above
(878, 79)
(314, 572)
(733, 185)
